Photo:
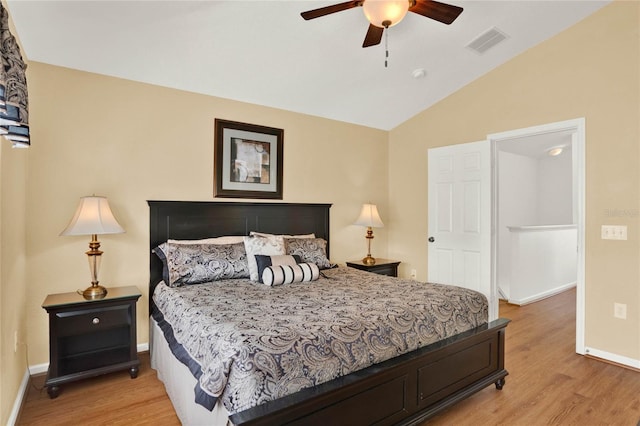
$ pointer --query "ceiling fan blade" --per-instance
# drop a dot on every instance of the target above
(445, 13)
(316, 13)
(373, 37)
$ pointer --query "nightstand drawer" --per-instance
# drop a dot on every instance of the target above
(389, 270)
(381, 267)
(92, 320)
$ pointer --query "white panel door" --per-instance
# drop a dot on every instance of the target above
(460, 217)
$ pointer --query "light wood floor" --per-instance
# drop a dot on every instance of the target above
(548, 384)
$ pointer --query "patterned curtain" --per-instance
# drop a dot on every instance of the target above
(14, 105)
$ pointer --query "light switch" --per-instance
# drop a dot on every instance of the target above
(614, 232)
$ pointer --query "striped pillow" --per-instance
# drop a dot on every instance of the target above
(263, 261)
(286, 274)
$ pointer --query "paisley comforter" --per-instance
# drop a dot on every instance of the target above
(248, 343)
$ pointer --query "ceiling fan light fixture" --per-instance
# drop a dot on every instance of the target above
(385, 13)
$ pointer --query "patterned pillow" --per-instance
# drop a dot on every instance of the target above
(261, 245)
(286, 274)
(201, 263)
(282, 259)
(310, 250)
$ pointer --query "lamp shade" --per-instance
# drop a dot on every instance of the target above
(93, 217)
(369, 217)
(385, 13)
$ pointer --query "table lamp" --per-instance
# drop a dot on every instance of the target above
(370, 218)
(93, 217)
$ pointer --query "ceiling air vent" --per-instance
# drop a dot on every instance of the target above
(487, 40)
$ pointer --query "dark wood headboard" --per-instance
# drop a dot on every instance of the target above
(188, 220)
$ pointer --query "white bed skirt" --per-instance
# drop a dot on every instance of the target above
(180, 383)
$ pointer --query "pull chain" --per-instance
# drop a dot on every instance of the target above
(386, 46)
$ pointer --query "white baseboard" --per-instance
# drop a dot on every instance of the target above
(39, 369)
(608, 356)
(22, 392)
(543, 295)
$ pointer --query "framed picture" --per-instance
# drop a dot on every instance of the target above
(248, 160)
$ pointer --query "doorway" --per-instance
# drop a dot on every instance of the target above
(536, 233)
(574, 131)
(572, 134)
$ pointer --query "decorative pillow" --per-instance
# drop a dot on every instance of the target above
(310, 250)
(262, 234)
(286, 274)
(261, 245)
(282, 259)
(234, 239)
(200, 263)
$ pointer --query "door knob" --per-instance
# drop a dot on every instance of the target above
(431, 239)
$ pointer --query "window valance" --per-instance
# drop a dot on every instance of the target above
(14, 104)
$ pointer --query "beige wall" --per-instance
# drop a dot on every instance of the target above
(591, 70)
(133, 142)
(14, 288)
(13, 283)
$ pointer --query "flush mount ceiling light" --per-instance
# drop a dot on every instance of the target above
(555, 151)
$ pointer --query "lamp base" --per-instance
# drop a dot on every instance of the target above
(94, 292)
(369, 260)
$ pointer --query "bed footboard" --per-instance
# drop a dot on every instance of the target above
(405, 390)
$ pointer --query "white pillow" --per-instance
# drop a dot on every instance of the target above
(234, 239)
(269, 246)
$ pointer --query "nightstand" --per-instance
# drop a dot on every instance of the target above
(382, 266)
(91, 337)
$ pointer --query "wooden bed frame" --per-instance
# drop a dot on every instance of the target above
(404, 390)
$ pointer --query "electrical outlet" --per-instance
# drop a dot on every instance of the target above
(614, 232)
(414, 274)
(620, 310)
(15, 341)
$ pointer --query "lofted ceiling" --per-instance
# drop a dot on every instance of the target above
(264, 53)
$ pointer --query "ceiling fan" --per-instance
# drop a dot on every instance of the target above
(387, 13)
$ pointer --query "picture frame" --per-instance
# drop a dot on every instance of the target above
(247, 160)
